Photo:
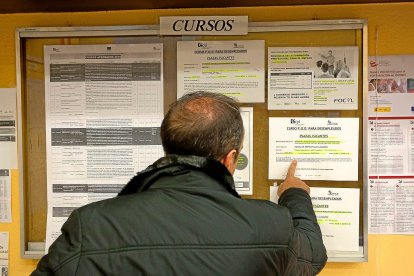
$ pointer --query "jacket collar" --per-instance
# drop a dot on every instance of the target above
(172, 164)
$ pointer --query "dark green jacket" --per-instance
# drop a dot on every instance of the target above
(182, 216)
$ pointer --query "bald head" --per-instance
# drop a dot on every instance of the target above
(203, 124)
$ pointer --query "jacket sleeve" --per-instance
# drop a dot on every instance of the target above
(63, 255)
(307, 236)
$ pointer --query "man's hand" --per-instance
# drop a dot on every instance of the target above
(291, 181)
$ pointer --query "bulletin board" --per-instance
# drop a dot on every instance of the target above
(30, 43)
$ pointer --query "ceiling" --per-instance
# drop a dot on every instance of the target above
(28, 6)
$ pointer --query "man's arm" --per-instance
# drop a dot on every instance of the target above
(294, 194)
(64, 251)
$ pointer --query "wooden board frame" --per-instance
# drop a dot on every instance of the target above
(34, 249)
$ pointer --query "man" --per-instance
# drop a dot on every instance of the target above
(182, 215)
(330, 59)
(325, 73)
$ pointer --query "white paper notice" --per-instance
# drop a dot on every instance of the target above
(104, 106)
(337, 212)
(273, 196)
(391, 86)
(325, 148)
(4, 253)
(233, 68)
(5, 196)
(313, 78)
(243, 176)
(391, 146)
(8, 145)
(391, 205)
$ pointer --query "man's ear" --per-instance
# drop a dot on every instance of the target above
(230, 160)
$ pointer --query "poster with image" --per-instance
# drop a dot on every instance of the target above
(391, 86)
(311, 78)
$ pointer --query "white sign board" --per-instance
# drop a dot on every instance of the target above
(204, 25)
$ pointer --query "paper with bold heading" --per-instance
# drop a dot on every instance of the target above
(243, 176)
(104, 106)
(337, 212)
(391, 205)
(325, 148)
(4, 253)
(313, 78)
(391, 146)
(233, 68)
(8, 145)
(5, 196)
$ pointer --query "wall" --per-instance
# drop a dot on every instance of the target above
(391, 24)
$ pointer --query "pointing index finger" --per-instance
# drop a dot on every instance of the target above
(292, 169)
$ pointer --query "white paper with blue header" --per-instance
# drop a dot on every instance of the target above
(233, 68)
(337, 212)
(325, 148)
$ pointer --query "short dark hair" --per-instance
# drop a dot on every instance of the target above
(204, 124)
(325, 67)
(319, 63)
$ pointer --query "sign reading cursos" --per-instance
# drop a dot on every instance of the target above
(203, 25)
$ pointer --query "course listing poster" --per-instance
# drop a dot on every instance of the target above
(233, 68)
(311, 78)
